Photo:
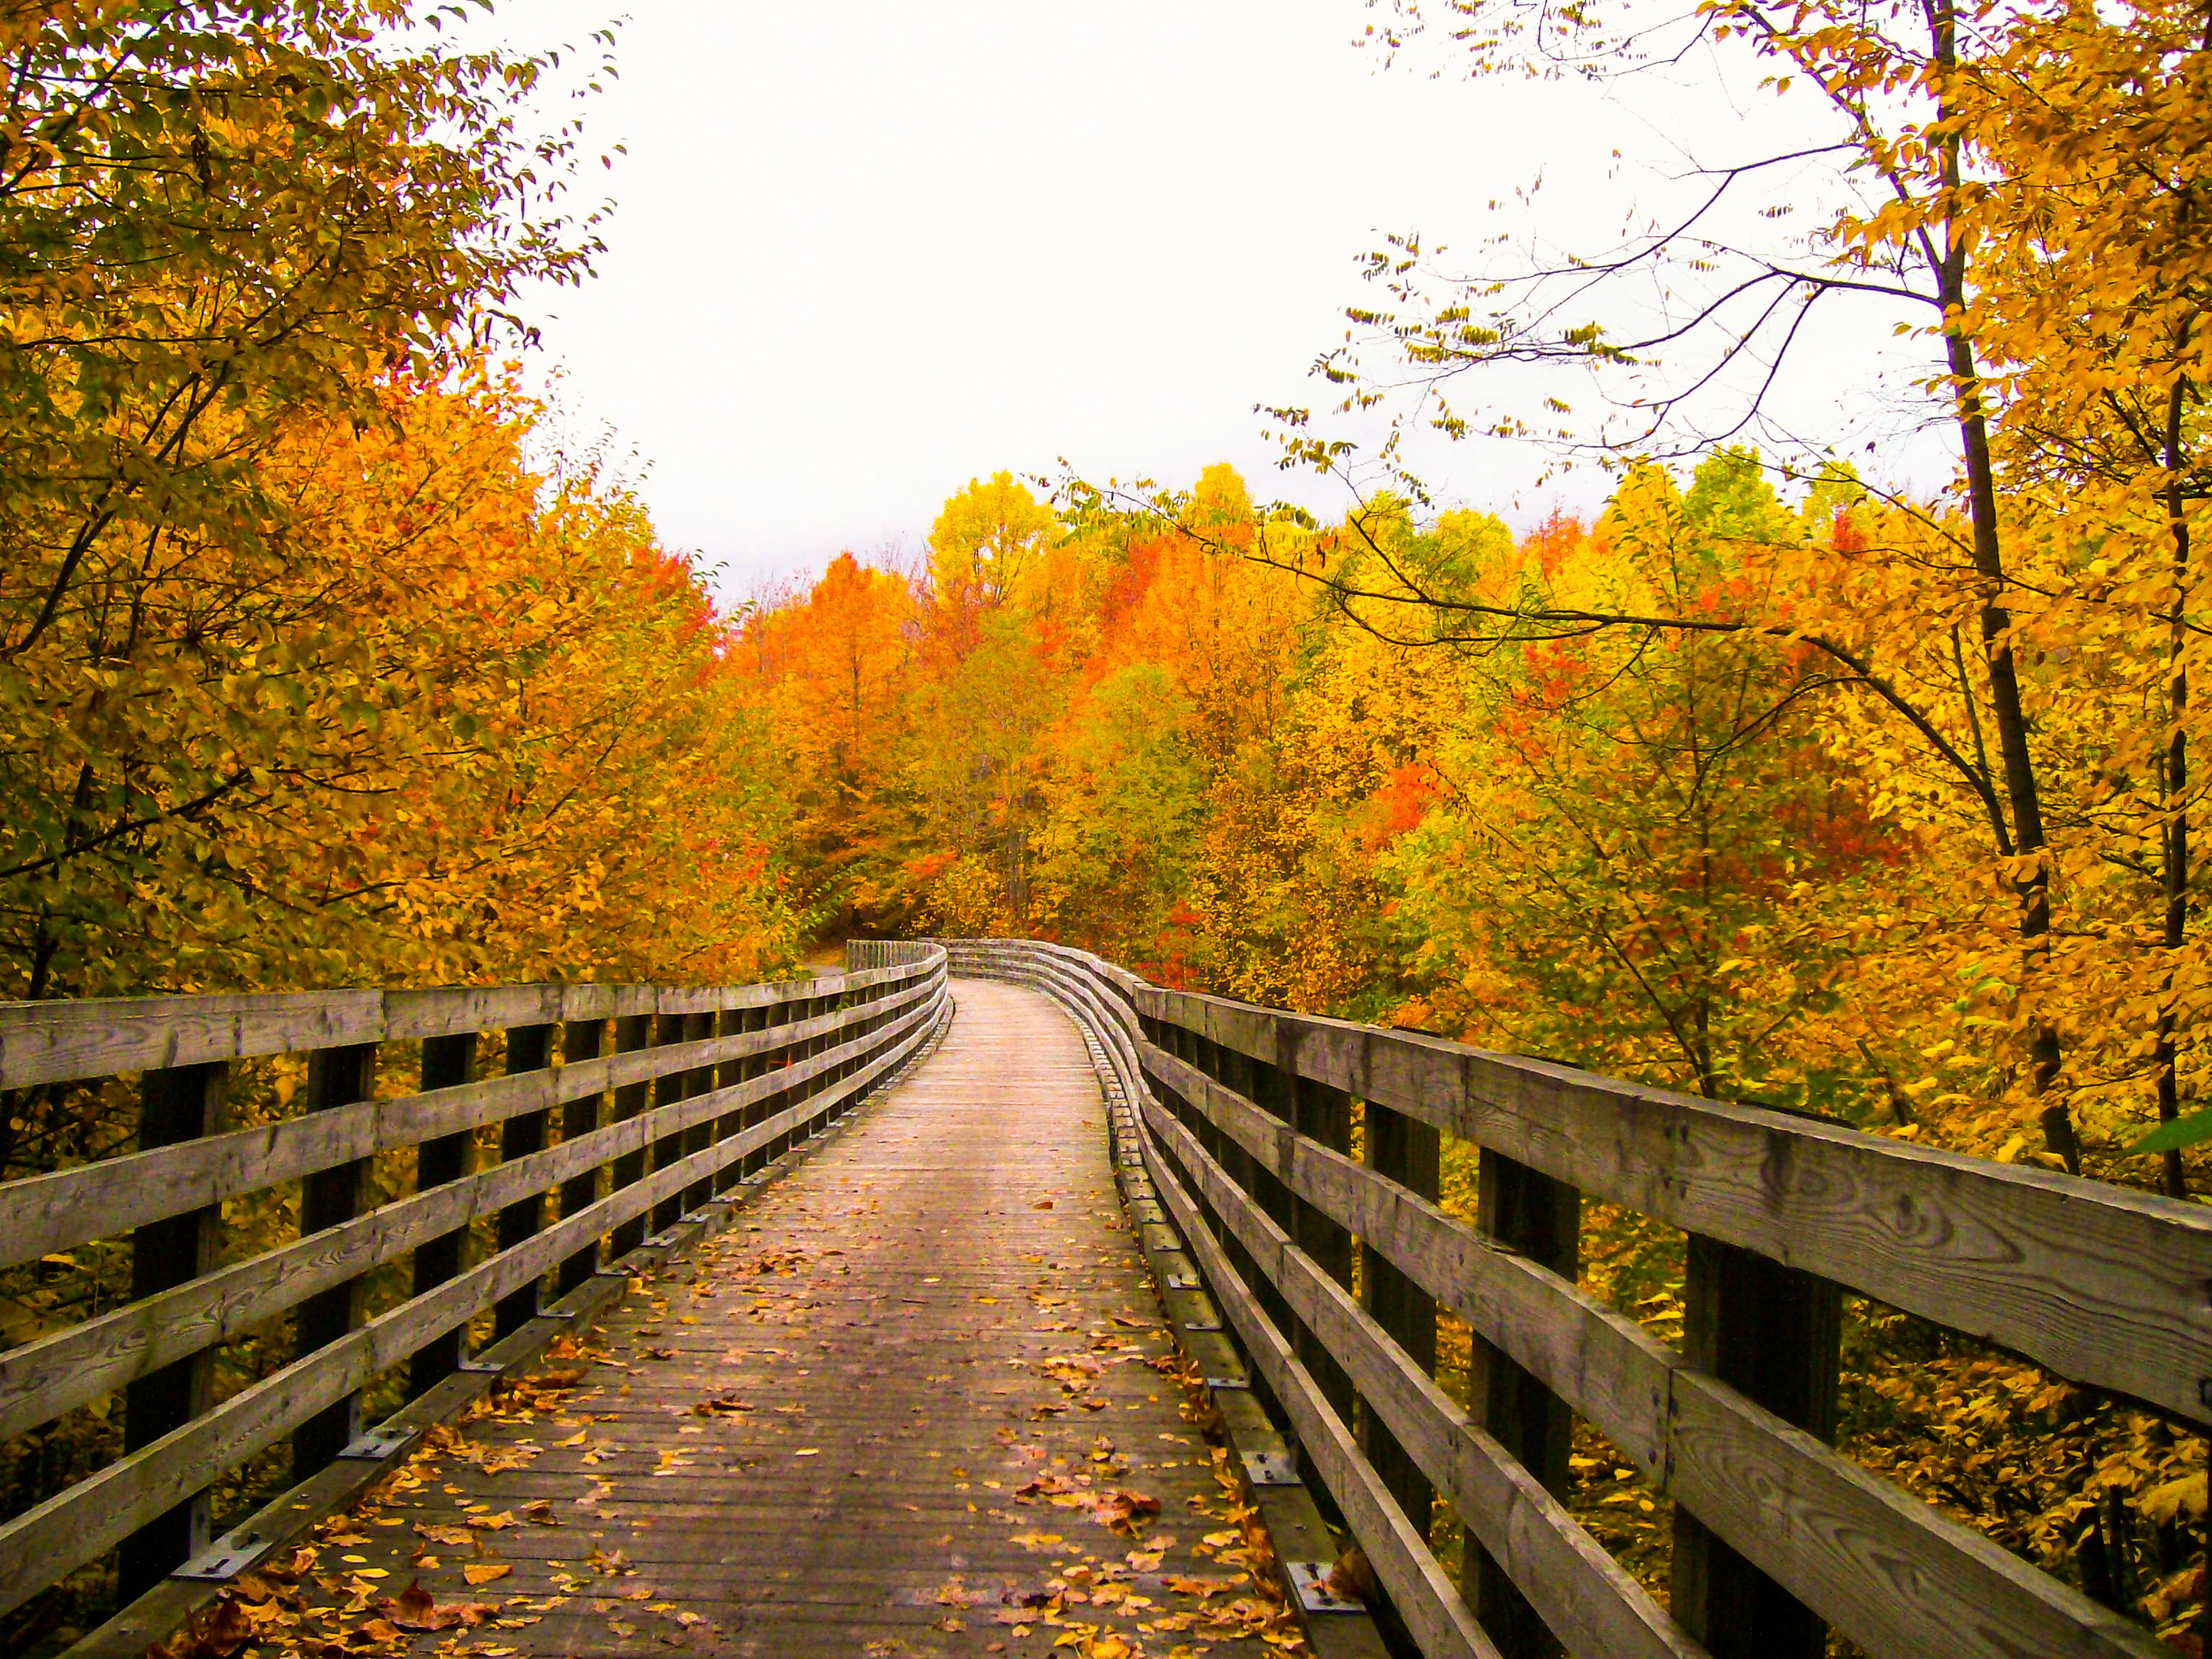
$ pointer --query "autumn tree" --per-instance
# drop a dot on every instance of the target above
(1898, 87)
(1643, 858)
(225, 222)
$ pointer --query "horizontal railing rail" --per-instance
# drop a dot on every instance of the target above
(698, 1090)
(1332, 1257)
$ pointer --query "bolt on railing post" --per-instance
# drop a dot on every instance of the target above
(335, 1077)
(181, 1103)
(581, 1041)
(1774, 1335)
(529, 1049)
(1408, 1152)
(448, 1061)
(1541, 1218)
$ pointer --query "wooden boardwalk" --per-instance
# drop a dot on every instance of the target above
(918, 1399)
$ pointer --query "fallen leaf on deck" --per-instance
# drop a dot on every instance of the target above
(485, 1571)
(1124, 1510)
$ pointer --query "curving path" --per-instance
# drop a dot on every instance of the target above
(917, 1399)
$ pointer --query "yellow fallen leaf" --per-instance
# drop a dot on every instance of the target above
(485, 1571)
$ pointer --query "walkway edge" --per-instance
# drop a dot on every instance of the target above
(289, 1517)
(1266, 1460)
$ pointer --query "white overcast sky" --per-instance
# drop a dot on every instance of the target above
(865, 249)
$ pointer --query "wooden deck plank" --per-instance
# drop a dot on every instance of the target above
(941, 1308)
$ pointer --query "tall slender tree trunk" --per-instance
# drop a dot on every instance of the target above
(2174, 842)
(2032, 879)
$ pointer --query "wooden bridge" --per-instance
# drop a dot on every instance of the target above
(814, 1317)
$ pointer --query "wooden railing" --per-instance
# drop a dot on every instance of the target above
(597, 1140)
(1331, 1268)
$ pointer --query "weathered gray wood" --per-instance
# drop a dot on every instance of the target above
(1775, 1335)
(1895, 1575)
(581, 1040)
(53, 1042)
(728, 1023)
(448, 1061)
(1323, 1115)
(77, 1525)
(670, 1086)
(56, 1041)
(336, 1078)
(1424, 1597)
(529, 1049)
(66, 1369)
(700, 1081)
(1402, 1150)
(2102, 1285)
(632, 1034)
(179, 1105)
(1534, 1215)
(1576, 1587)
(43, 1214)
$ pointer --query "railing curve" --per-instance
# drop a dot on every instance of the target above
(1299, 1158)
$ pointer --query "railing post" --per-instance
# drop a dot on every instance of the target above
(755, 1018)
(1408, 1152)
(581, 1041)
(727, 1022)
(182, 1103)
(668, 1088)
(1265, 1087)
(335, 1077)
(1774, 1333)
(632, 1031)
(529, 1049)
(1323, 1115)
(447, 1062)
(700, 1136)
(1536, 1216)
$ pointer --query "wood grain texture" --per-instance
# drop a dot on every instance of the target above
(1843, 1540)
(1419, 1590)
(2105, 1286)
(1583, 1594)
(41, 1214)
(57, 1041)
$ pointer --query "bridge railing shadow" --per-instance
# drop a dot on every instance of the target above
(360, 1123)
(1300, 1158)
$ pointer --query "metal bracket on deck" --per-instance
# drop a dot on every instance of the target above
(1270, 1469)
(1181, 1281)
(1228, 1382)
(226, 1557)
(1310, 1579)
(375, 1445)
(1201, 1325)
(481, 1368)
